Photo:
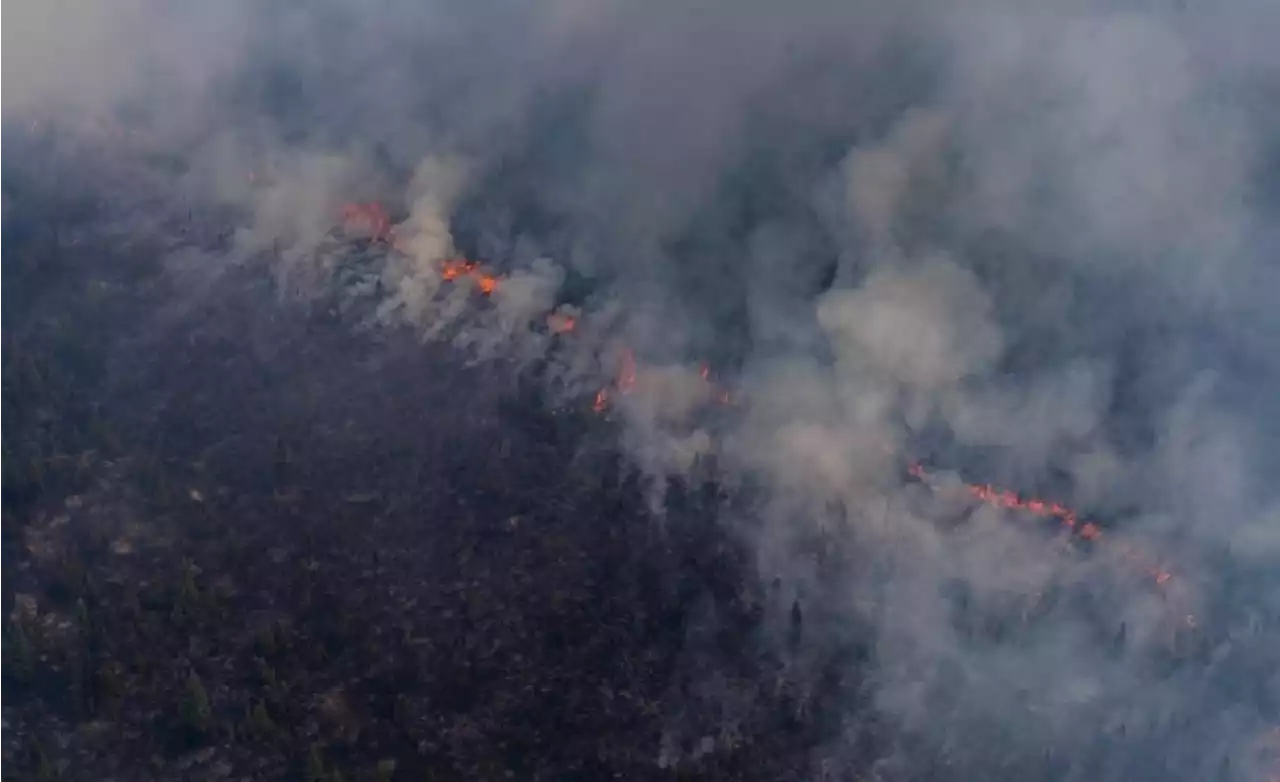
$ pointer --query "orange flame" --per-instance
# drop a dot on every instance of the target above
(368, 218)
(624, 383)
(1086, 530)
(459, 269)
(560, 323)
(627, 377)
(372, 219)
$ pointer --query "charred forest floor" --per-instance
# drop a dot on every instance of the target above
(242, 541)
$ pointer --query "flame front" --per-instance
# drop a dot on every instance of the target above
(373, 219)
(1069, 520)
(463, 269)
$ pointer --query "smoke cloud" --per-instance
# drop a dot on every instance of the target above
(815, 244)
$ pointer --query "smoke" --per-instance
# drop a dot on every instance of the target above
(43, 38)
(1033, 247)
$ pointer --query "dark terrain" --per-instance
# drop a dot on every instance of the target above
(243, 540)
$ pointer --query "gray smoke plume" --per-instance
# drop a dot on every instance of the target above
(1027, 246)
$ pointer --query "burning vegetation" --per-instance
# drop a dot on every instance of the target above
(784, 392)
(339, 666)
(372, 219)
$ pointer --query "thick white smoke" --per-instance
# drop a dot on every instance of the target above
(1030, 246)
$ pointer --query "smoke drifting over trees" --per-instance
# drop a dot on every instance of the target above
(1035, 247)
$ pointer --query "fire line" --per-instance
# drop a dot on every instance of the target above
(371, 218)
(374, 221)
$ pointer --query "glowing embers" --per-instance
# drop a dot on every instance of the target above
(1069, 520)
(370, 219)
(628, 376)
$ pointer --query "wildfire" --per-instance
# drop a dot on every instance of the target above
(627, 373)
(624, 383)
(560, 323)
(463, 269)
(1067, 518)
(368, 218)
(371, 218)
(627, 376)
(1002, 498)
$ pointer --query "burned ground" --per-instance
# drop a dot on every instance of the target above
(242, 540)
